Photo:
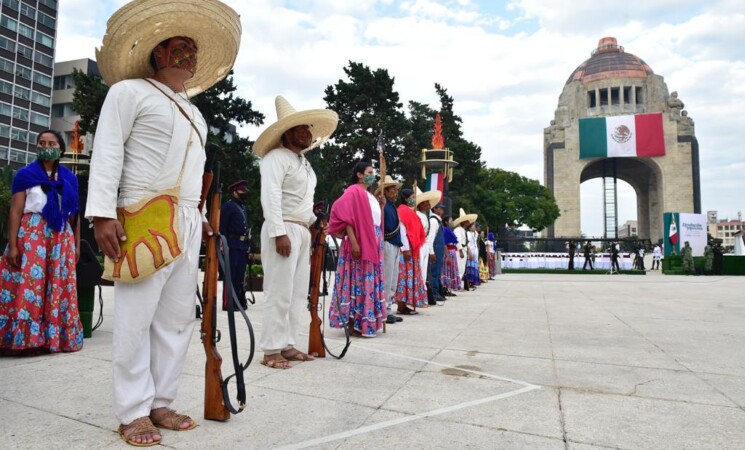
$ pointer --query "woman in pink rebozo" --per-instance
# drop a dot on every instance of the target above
(358, 299)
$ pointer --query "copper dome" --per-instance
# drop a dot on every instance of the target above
(609, 60)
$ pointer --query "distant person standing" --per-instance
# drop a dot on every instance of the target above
(234, 225)
(571, 250)
(614, 257)
(718, 259)
(587, 251)
(656, 255)
(687, 253)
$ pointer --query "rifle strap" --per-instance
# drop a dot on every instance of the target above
(326, 251)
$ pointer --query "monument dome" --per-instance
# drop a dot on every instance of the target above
(610, 60)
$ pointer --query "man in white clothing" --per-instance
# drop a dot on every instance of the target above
(461, 225)
(288, 184)
(424, 201)
(151, 138)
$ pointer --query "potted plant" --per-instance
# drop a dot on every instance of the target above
(254, 278)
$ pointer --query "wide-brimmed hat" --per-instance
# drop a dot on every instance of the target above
(240, 184)
(322, 123)
(138, 27)
(432, 196)
(388, 182)
(471, 218)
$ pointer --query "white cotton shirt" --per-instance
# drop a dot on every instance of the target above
(434, 228)
(404, 238)
(375, 208)
(288, 184)
(131, 157)
(36, 199)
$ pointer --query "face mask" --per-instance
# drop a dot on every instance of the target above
(369, 179)
(178, 54)
(48, 153)
(411, 201)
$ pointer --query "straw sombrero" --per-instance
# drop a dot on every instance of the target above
(135, 29)
(432, 197)
(471, 218)
(322, 124)
(390, 182)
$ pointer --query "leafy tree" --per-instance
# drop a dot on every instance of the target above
(510, 199)
(87, 100)
(367, 104)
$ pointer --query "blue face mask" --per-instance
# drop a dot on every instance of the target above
(369, 179)
(48, 153)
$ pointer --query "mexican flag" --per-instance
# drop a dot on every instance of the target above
(639, 135)
(673, 233)
(436, 181)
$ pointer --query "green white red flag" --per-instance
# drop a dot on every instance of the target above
(639, 135)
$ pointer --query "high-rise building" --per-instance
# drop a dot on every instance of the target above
(28, 31)
(64, 116)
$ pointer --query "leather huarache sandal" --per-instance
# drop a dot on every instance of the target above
(143, 428)
(171, 420)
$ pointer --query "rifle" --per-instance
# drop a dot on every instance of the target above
(381, 163)
(214, 407)
(319, 246)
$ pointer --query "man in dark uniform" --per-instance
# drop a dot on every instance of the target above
(571, 255)
(234, 225)
(435, 268)
(614, 257)
(587, 249)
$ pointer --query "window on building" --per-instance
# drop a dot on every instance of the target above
(46, 20)
(43, 59)
(7, 44)
(63, 82)
(26, 52)
(615, 96)
(40, 119)
(12, 4)
(58, 110)
(25, 30)
(42, 79)
(43, 39)
(4, 130)
(18, 134)
(6, 66)
(41, 99)
(28, 10)
(603, 97)
(8, 23)
(33, 137)
(5, 109)
(6, 88)
(49, 3)
(627, 95)
(20, 113)
(639, 95)
(591, 100)
(23, 72)
(22, 93)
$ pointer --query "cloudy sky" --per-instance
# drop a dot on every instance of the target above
(504, 62)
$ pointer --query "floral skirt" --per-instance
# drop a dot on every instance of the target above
(410, 288)
(359, 291)
(39, 302)
(483, 271)
(492, 264)
(450, 278)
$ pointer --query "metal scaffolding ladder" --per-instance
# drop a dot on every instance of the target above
(610, 198)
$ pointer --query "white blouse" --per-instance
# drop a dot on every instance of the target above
(36, 199)
(375, 207)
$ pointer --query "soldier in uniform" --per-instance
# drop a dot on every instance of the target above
(234, 226)
(687, 253)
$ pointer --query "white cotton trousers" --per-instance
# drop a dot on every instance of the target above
(153, 323)
(462, 260)
(424, 263)
(286, 283)
(390, 273)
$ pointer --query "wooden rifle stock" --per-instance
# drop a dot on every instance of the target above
(214, 405)
(318, 239)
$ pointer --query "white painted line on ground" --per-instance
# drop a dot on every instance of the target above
(394, 422)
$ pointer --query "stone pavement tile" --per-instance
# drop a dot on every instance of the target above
(427, 391)
(537, 371)
(387, 353)
(580, 446)
(27, 427)
(638, 382)
(272, 419)
(732, 387)
(535, 412)
(67, 385)
(511, 340)
(441, 433)
(632, 422)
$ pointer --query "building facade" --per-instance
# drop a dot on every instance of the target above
(28, 31)
(64, 116)
(628, 229)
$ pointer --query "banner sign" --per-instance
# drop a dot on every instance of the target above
(682, 227)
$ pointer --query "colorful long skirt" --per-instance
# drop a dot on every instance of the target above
(492, 264)
(483, 271)
(472, 271)
(450, 278)
(411, 289)
(359, 290)
(39, 301)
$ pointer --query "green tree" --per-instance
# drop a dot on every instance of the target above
(509, 199)
(367, 104)
(87, 100)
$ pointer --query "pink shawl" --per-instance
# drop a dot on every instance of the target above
(353, 208)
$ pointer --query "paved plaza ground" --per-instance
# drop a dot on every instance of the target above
(528, 361)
